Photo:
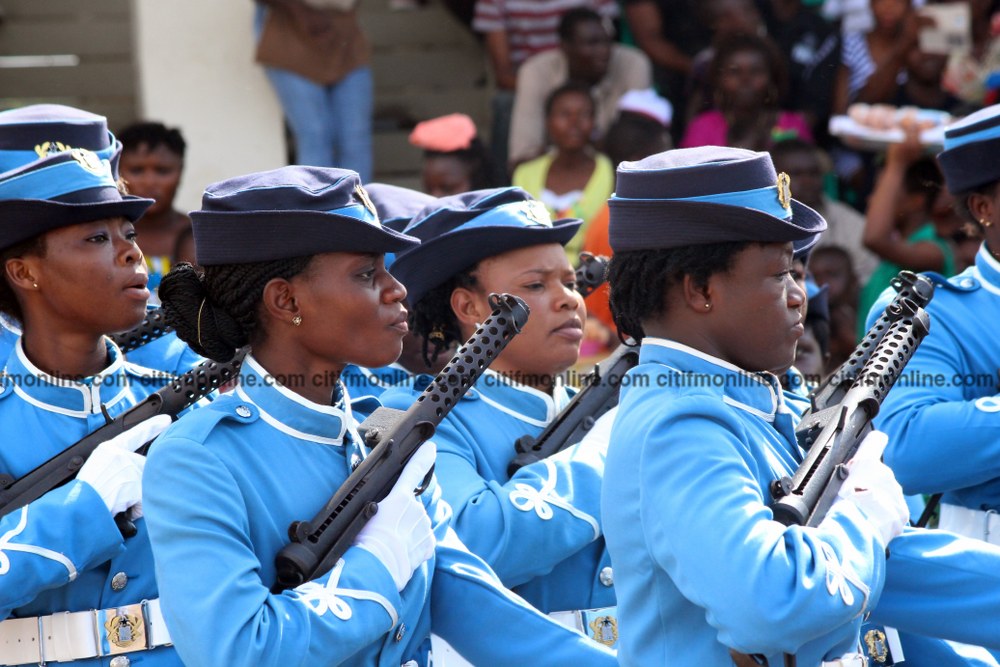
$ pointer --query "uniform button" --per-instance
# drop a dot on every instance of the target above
(120, 661)
(607, 576)
(401, 632)
(243, 411)
(119, 581)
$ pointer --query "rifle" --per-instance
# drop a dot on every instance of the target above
(153, 326)
(182, 392)
(600, 394)
(842, 410)
(908, 285)
(394, 435)
(590, 275)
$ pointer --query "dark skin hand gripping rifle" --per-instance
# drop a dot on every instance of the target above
(395, 435)
(172, 399)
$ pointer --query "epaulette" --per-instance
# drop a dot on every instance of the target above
(960, 283)
(199, 423)
(423, 380)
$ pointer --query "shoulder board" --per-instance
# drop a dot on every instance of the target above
(963, 282)
(197, 424)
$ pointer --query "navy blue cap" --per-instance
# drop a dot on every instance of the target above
(294, 211)
(969, 159)
(397, 205)
(459, 231)
(709, 194)
(59, 190)
(32, 132)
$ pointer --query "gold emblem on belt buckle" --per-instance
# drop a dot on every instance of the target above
(878, 647)
(125, 630)
(604, 630)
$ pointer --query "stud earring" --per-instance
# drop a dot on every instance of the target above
(708, 306)
(35, 285)
(985, 223)
(297, 320)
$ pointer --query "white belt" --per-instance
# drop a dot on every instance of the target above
(80, 635)
(977, 524)
(601, 625)
(849, 660)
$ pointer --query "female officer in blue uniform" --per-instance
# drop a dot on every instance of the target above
(30, 132)
(944, 424)
(701, 277)
(540, 529)
(72, 589)
(293, 266)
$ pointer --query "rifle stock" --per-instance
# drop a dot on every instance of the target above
(318, 544)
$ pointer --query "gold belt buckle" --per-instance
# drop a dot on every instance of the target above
(126, 629)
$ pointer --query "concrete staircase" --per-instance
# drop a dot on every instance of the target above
(425, 64)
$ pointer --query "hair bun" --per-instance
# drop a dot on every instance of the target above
(198, 321)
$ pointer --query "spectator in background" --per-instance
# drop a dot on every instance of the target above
(810, 45)
(725, 19)
(670, 33)
(573, 180)
(873, 64)
(515, 30)
(899, 227)
(923, 86)
(586, 56)
(641, 129)
(966, 74)
(151, 164)
(806, 164)
(748, 83)
(831, 267)
(455, 160)
(317, 60)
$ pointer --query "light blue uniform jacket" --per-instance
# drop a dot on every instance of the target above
(540, 529)
(60, 552)
(220, 489)
(700, 565)
(943, 416)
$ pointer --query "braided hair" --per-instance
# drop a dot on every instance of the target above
(9, 305)
(434, 320)
(217, 311)
(639, 279)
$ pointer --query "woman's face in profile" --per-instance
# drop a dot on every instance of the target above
(757, 309)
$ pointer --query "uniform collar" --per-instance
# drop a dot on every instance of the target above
(75, 398)
(519, 400)
(988, 269)
(291, 413)
(757, 393)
